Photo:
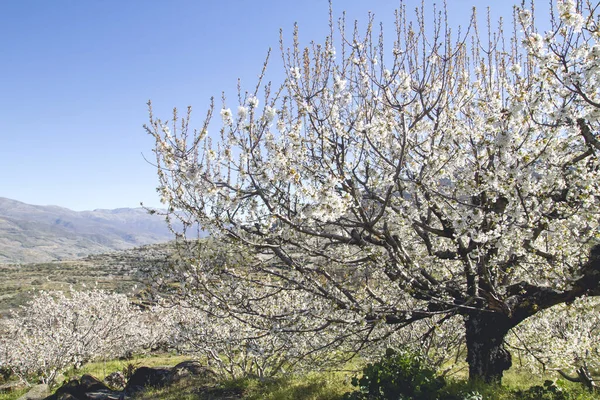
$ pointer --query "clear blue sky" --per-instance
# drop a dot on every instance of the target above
(76, 76)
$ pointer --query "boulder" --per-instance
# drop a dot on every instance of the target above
(10, 387)
(89, 388)
(37, 392)
(68, 396)
(77, 389)
(144, 377)
(187, 369)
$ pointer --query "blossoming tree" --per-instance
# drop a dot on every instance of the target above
(450, 177)
(57, 330)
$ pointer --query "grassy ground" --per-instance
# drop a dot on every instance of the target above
(13, 394)
(324, 386)
(315, 386)
(101, 369)
(311, 386)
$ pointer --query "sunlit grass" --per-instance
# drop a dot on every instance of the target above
(100, 369)
(312, 386)
(309, 386)
(15, 394)
(332, 386)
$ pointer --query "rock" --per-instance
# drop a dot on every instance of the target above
(37, 392)
(89, 388)
(91, 383)
(60, 379)
(144, 377)
(77, 389)
(187, 369)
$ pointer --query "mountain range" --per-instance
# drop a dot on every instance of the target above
(34, 234)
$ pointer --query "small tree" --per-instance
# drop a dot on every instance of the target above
(450, 177)
(56, 331)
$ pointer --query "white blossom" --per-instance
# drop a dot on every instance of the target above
(242, 113)
(227, 116)
(252, 102)
(515, 69)
(270, 114)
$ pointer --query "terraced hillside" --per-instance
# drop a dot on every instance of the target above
(121, 271)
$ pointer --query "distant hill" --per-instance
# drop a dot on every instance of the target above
(34, 234)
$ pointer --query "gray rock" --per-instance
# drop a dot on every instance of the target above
(78, 389)
(145, 377)
(37, 392)
(187, 369)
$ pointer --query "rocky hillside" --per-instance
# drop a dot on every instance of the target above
(35, 234)
(125, 271)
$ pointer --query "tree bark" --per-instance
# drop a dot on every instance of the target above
(486, 355)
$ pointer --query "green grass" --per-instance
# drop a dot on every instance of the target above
(324, 386)
(15, 394)
(508, 392)
(310, 386)
(100, 369)
(313, 386)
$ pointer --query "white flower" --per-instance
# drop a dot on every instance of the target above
(331, 52)
(269, 114)
(281, 125)
(515, 69)
(295, 72)
(347, 98)
(404, 82)
(166, 130)
(339, 83)
(535, 42)
(226, 115)
(253, 102)
(525, 17)
(242, 113)
(569, 15)
(357, 45)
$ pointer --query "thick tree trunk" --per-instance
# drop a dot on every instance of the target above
(486, 355)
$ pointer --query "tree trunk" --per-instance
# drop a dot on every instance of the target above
(486, 355)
